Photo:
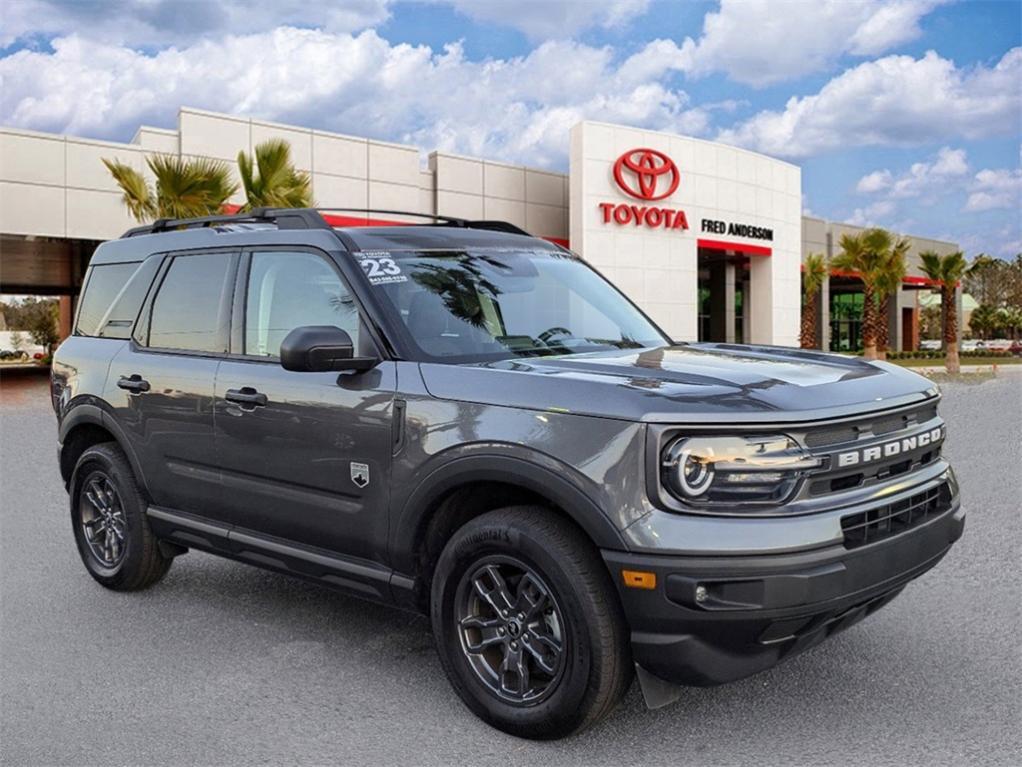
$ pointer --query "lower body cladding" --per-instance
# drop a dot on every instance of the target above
(715, 619)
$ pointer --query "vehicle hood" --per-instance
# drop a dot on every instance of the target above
(690, 382)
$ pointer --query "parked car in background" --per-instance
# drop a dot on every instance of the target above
(996, 344)
(17, 347)
(930, 345)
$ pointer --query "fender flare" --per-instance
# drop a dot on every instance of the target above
(91, 414)
(544, 481)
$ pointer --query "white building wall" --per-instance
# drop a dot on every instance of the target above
(54, 185)
(657, 268)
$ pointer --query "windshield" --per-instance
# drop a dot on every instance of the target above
(495, 303)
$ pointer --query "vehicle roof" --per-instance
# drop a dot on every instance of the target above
(410, 237)
(432, 237)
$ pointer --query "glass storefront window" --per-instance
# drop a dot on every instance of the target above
(846, 321)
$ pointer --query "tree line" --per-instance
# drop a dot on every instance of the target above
(878, 258)
(996, 285)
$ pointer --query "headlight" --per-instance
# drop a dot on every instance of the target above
(711, 471)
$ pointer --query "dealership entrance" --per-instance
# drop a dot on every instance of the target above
(724, 282)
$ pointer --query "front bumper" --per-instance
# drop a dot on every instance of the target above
(754, 611)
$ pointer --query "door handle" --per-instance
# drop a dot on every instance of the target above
(133, 383)
(246, 395)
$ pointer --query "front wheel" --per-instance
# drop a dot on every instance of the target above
(527, 624)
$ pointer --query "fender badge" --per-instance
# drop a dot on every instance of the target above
(360, 473)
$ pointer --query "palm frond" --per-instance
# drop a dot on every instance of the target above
(187, 188)
(136, 194)
(278, 184)
(814, 274)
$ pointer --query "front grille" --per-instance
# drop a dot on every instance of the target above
(884, 521)
(832, 436)
(855, 435)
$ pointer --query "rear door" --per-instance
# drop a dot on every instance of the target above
(162, 382)
(304, 457)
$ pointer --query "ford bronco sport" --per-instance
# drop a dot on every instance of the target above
(463, 420)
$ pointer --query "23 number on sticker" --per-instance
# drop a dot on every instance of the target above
(380, 267)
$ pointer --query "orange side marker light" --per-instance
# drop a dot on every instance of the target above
(639, 579)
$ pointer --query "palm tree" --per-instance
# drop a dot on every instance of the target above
(859, 255)
(946, 272)
(185, 188)
(813, 275)
(892, 272)
(984, 320)
(1013, 320)
(270, 180)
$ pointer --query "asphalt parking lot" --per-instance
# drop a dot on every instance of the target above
(225, 664)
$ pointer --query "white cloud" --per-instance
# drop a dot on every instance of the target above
(874, 182)
(545, 19)
(872, 214)
(922, 178)
(176, 22)
(758, 42)
(894, 101)
(181, 22)
(1001, 188)
(517, 109)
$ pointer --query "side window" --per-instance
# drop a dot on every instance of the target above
(287, 290)
(187, 311)
(121, 315)
(105, 282)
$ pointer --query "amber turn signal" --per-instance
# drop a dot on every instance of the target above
(639, 579)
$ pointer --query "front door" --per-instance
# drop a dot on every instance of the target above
(304, 457)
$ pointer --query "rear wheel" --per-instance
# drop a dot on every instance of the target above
(114, 539)
(527, 624)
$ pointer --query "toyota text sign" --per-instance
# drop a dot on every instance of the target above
(647, 175)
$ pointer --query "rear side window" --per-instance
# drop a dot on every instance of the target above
(188, 311)
(104, 285)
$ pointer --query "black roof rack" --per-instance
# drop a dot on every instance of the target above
(446, 220)
(284, 218)
(493, 226)
(308, 218)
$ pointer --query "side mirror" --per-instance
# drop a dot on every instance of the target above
(321, 348)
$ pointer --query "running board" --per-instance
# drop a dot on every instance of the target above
(358, 576)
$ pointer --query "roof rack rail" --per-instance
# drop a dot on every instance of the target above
(284, 218)
(448, 220)
(493, 226)
(308, 218)
(497, 226)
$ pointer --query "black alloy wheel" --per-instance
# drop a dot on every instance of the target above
(528, 625)
(102, 519)
(108, 516)
(511, 629)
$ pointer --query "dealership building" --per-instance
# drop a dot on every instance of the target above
(707, 238)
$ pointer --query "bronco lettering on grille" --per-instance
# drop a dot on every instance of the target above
(889, 449)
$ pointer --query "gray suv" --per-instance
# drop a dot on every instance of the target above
(462, 420)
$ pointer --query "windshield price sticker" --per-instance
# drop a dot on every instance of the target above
(380, 268)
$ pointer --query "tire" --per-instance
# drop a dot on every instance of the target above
(118, 549)
(569, 603)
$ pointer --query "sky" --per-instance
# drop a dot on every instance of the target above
(902, 113)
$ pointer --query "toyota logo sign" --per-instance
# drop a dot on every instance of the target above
(642, 172)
